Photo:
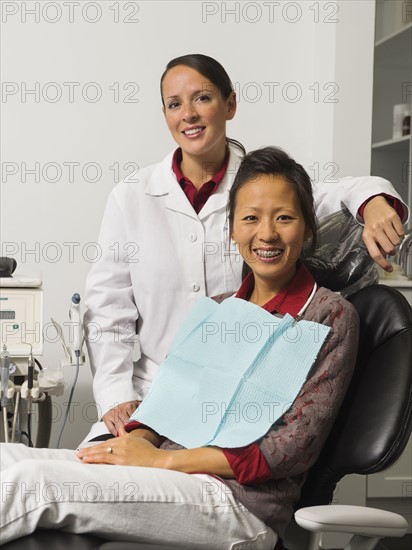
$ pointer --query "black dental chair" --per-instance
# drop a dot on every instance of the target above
(370, 433)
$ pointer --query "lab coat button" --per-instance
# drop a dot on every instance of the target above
(195, 288)
(193, 237)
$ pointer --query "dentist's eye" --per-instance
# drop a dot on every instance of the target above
(204, 98)
(173, 105)
(250, 218)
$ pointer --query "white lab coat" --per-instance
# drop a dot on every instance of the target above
(158, 257)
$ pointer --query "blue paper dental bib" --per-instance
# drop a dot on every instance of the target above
(233, 369)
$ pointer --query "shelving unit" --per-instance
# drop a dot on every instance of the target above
(392, 159)
(392, 84)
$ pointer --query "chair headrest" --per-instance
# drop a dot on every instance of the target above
(341, 261)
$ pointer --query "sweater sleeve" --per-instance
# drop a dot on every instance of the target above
(294, 442)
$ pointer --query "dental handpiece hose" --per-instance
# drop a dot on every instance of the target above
(5, 374)
(75, 318)
(30, 375)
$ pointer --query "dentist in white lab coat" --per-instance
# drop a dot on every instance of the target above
(165, 242)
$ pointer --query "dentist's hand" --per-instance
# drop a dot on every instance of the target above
(116, 418)
(383, 230)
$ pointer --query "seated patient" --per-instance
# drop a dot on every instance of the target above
(143, 487)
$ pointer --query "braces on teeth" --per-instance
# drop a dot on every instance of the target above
(269, 253)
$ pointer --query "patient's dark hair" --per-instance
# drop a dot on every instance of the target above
(276, 162)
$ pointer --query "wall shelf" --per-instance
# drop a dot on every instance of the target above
(392, 77)
(399, 34)
(395, 144)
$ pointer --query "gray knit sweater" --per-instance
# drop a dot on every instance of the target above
(293, 443)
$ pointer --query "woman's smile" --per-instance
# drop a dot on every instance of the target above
(268, 255)
(194, 131)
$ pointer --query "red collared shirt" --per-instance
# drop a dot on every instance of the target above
(248, 463)
(291, 299)
(197, 198)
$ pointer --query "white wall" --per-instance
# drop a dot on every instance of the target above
(306, 42)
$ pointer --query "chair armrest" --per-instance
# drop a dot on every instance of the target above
(340, 518)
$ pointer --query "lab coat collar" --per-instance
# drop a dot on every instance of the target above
(163, 182)
(159, 182)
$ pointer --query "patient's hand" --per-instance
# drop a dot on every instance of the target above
(127, 450)
(116, 418)
(382, 232)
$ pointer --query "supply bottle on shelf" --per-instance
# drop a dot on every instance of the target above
(399, 112)
(406, 123)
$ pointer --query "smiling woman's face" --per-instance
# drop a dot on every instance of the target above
(196, 112)
(269, 228)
